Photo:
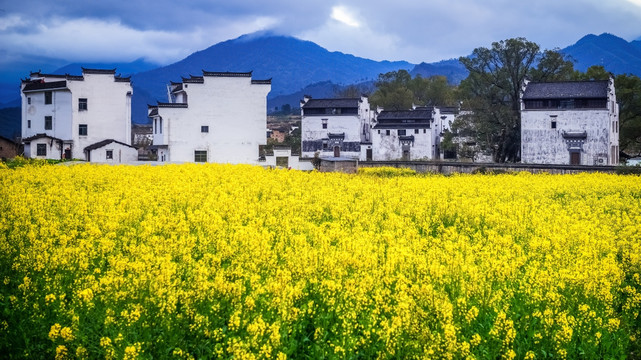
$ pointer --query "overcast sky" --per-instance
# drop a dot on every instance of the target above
(165, 31)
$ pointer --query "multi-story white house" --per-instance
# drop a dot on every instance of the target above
(405, 135)
(336, 128)
(217, 117)
(574, 123)
(82, 117)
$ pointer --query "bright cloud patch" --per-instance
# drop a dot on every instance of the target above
(343, 15)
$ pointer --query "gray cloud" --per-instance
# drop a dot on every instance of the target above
(165, 31)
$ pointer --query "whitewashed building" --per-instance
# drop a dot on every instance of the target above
(574, 123)
(70, 116)
(336, 128)
(405, 135)
(217, 117)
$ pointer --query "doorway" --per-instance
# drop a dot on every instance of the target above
(575, 158)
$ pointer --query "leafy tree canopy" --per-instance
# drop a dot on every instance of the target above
(397, 90)
(492, 89)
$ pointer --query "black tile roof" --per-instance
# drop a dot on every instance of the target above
(39, 86)
(262, 82)
(102, 143)
(39, 136)
(227, 74)
(400, 115)
(154, 111)
(331, 103)
(119, 78)
(172, 105)
(404, 119)
(99, 71)
(567, 90)
(193, 79)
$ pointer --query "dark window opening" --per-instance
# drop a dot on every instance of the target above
(48, 97)
(109, 155)
(553, 124)
(402, 132)
(204, 129)
(82, 129)
(200, 156)
(82, 104)
(48, 122)
(41, 150)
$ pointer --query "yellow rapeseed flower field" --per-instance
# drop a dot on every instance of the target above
(220, 261)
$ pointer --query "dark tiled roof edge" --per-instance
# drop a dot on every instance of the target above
(262, 82)
(227, 74)
(99, 71)
(172, 105)
(39, 86)
(39, 136)
(102, 143)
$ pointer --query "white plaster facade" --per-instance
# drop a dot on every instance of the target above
(111, 152)
(405, 135)
(218, 117)
(335, 127)
(570, 123)
(283, 157)
(68, 113)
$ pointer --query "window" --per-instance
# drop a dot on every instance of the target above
(204, 129)
(379, 131)
(386, 132)
(553, 124)
(200, 156)
(82, 104)
(415, 131)
(424, 131)
(82, 129)
(324, 123)
(28, 124)
(402, 132)
(29, 100)
(48, 122)
(109, 155)
(48, 97)
(160, 127)
(41, 150)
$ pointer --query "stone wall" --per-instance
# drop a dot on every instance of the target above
(443, 167)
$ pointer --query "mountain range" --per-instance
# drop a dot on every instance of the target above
(299, 67)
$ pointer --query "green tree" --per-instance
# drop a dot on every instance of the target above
(492, 91)
(628, 93)
(397, 90)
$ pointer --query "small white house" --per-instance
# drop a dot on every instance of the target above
(62, 115)
(336, 128)
(574, 123)
(111, 151)
(405, 135)
(217, 117)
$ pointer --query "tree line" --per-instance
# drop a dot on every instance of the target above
(489, 98)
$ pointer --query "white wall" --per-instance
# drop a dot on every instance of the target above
(388, 147)
(312, 130)
(121, 154)
(59, 110)
(108, 114)
(53, 149)
(234, 109)
(540, 144)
